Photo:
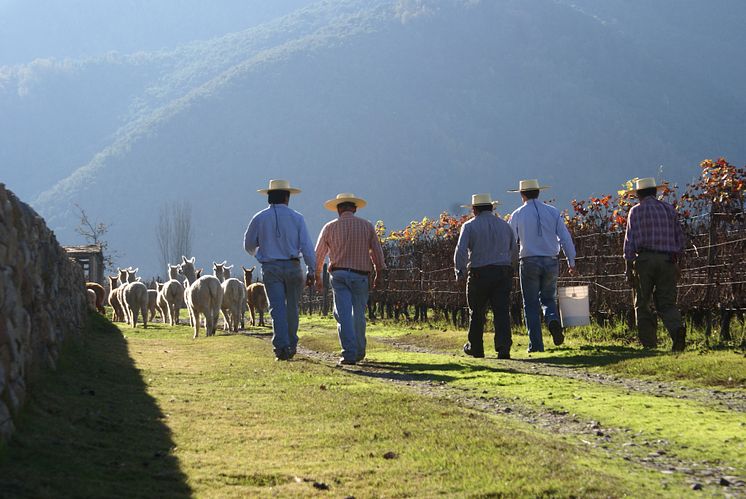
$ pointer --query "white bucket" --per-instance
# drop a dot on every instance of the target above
(573, 306)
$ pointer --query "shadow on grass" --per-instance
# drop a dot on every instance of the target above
(413, 371)
(91, 430)
(595, 356)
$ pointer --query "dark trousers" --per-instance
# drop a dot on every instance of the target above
(656, 278)
(490, 285)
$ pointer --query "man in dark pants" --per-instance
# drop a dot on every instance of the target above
(652, 244)
(488, 245)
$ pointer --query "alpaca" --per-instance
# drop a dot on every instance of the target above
(172, 294)
(234, 295)
(153, 304)
(117, 312)
(136, 299)
(203, 296)
(100, 295)
(256, 296)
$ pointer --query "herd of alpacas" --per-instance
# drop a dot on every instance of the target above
(202, 295)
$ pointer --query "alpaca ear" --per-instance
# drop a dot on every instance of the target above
(228, 268)
(183, 258)
(194, 259)
(224, 262)
(135, 271)
(252, 268)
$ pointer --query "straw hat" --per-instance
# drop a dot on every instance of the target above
(480, 200)
(345, 197)
(645, 183)
(279, 185)
(529, 185)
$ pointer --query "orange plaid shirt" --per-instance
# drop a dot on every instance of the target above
(350, 242)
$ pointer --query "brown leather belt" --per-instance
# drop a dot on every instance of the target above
(354, 271)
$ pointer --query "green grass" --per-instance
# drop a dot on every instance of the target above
(588, 348)
(156, 414)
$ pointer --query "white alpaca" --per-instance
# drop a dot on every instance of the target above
(136, 299)
(91, 299)
(234, 296)
(203, 296)
(172, 296)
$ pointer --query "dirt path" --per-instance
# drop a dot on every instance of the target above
(631, 446)
(713, 398)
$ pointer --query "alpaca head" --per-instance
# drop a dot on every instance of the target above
(248, 275)
(186, 268)
(217, 270)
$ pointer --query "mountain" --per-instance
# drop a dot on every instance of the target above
(413, 105)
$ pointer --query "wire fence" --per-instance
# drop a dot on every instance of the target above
(420, 279)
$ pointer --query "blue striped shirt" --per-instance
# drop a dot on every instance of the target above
(484, 240)
(279, 233)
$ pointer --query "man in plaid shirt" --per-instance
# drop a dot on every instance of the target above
(351, 243)
(652, 244)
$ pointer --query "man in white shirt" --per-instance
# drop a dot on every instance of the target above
(541, 233)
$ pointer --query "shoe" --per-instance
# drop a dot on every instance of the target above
(532, 350)
(556, 329)
(503, 355)
(679, 341)
(283, 354)
(469, 351)
(346, 362)
(291, 353)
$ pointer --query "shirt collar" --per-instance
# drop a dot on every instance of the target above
(346, 214)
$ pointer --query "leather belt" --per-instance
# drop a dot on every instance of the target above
(354, 271)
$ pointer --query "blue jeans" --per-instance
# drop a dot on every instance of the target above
(539, 288)
(284, 284)
(350, 298)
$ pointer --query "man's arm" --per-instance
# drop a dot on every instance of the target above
(306, 248)
(376, 253)
(322, 250)
(460, 256)
(251, 237)
(565, 240)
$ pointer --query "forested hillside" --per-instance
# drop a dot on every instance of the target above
(413, 105)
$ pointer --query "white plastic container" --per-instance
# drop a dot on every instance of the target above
(574, 307)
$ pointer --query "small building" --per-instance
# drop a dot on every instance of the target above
(91, 258)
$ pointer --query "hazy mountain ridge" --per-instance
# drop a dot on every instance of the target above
(413, 105)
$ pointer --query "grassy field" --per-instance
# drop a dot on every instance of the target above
(153, 413)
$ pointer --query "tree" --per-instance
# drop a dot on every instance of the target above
(174, 232)
(94, 233)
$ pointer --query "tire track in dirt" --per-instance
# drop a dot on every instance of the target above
(713, 398)
(635, 447)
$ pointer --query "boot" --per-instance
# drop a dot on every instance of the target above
(679, 340)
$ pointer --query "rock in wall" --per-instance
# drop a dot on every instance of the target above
(42, 302)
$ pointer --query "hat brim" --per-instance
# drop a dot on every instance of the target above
(632, 191)
(331, 205)
(493, 203)
(291, 190)
(540, 188)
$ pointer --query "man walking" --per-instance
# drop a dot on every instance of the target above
(486, 247)
(541, 233)
(278, 236)
(652, 245)
(351, 243)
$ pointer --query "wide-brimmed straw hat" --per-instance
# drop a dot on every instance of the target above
(481, 200)
(279, 185)
(345, 197)
(645, 183)
(529, 185)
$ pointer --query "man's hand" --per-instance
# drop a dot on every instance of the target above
(319, 284)
(378, 279)
(629, 273)
(572, 271)
(310, 279)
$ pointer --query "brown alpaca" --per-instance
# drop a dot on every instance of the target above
(117, 312)
(100, 294)
(256, 296)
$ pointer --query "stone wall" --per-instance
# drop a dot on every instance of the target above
(42, 302)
